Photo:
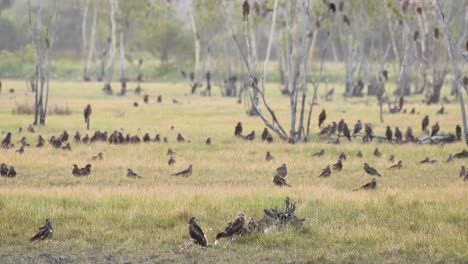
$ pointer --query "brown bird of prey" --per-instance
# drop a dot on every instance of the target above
(389, 134)
(368, 186)
(399, 165)
(458, 132)
(342, 156)
(280, 181)
(3, 170)
(132, 174)
(265, 134)
(170, 152)
(250, 136)
(6, 142)
(171, 160)
(246, 10)
(425, 123)
(40, 142)
(87, 115)
(20, 150)
(435, 129)
(325, 172)
(441, 111)
(371, 171)
(185, 173)
(280, 174)
(76, 171)
(392, 158)
(322, 117)
(44, 232)
(77, 137)
(346, 132)
(369, 131)
(398, 135)
(282, 171)
(11, 172)
(180, 138)
(377, 153)
(268, 156)
(409, 135)
(67, 147)
(99, 156)
(427, 160)
(86, 170)
(233, 228)
(359, 154)
(319, 153)
(208, 141)
(341, 126)
(338, 165)
(238, 129)
(196, 233)
(357, 127)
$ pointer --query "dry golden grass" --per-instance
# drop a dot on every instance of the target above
(417, 214)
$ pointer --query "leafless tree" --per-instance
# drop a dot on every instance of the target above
(42, 40)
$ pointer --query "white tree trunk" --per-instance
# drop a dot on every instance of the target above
(92, 44)
(112, 44)
(196, 39)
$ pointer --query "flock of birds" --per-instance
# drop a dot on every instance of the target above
(236, 227)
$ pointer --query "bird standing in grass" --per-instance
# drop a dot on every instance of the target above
(250, 136)
(280, 175)
(185, 173)
(46, 231)
(357, 127)
(87, 114)
(132, 174)
(377, 153)
(11, 172)
(76, 171)
(3, 170)
(338, 165)
(435, 129)
(322, 117)
(268, 156)
(399, 165)
(238, 129)
(196, 234)
(368, 186)
(425, 123)
(233, 228)
(325, 172)
(371, 171)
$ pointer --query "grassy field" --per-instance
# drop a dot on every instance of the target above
(418, 214)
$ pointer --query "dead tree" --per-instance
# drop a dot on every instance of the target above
(296, 61)
(452, 46)
(42, 38)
